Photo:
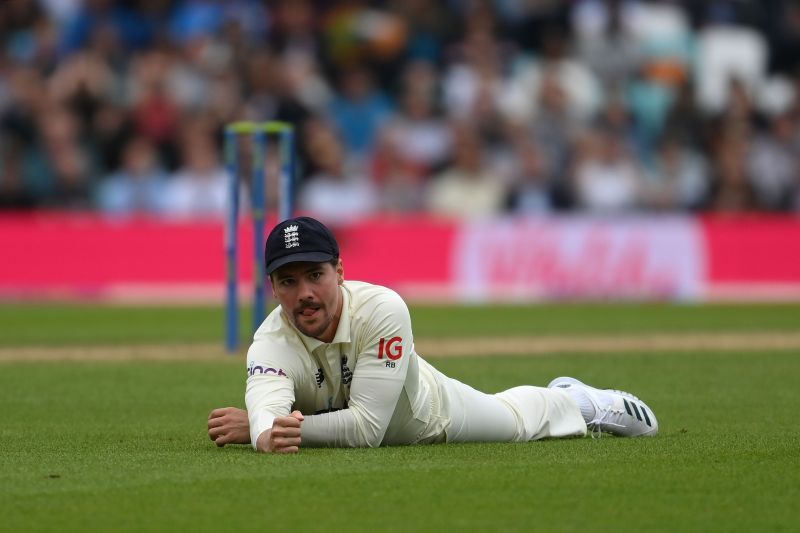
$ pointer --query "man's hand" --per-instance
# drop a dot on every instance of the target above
(284, 437)
(229, 425)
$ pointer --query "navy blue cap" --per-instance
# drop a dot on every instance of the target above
(299, 239)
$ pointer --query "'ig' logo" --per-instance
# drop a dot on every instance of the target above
(391, 348)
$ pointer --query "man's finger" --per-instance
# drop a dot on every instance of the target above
(286, 421)
(298, 415)
(222, 440)
(215, 432)
(220, 411)
(290, 449)
(286, 442)
(285, 432)
(216, 422)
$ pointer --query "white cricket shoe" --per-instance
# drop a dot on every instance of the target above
(616, 412)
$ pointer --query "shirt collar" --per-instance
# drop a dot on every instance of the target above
(343, 329)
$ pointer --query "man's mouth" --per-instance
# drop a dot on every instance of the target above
(309, 310)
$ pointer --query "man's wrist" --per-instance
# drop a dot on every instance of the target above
(262, 442)
(259, 423)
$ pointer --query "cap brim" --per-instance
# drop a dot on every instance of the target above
(310, 257)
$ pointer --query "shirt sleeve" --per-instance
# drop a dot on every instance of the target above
(378, 379)
(270, 388)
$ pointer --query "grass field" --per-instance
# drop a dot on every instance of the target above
(121, 446)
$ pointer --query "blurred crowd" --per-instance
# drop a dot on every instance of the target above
(456, 107)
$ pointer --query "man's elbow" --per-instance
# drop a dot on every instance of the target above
(371, 443)
(369, 430)
(372, 437)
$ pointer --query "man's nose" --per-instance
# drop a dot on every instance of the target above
(304, 291)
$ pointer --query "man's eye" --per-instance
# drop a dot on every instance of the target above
(286, 282)
(316, 275)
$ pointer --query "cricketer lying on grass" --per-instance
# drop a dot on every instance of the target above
(334, 365)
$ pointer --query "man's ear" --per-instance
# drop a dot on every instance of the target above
(340, 272)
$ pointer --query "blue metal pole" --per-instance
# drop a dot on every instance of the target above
(231, 243)
(287, 177)
(259, 203)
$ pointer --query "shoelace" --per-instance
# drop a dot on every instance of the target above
(595, 424)
(605, 412)
(597, 432)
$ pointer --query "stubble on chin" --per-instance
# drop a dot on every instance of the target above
(311, 332)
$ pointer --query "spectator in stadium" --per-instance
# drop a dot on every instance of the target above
(156, 116)
(467, 188)
(139, 186)
(110, 132)
(420, 132)
(28, 36)
(532, 192)
(555, 130)
(118, 20)
(581, 89)
(399, 179)
(269, 90)
(25, 174)
(334, 192)
(607, 179)
(360, 111)
(199, 187)
(604, 41)
(474, 81)
(15, 192)
(684, 120)
(773, 162)
(678, 179)
(67, 161)
(732, 189)
(428, 26)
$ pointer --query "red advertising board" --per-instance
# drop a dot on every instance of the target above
(64, 255)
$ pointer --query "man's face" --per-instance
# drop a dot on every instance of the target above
(310, 296)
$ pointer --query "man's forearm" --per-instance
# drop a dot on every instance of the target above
(342, 429)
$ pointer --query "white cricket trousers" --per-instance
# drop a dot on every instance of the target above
(520, 414)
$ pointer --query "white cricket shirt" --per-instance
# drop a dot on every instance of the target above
(366, 388)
